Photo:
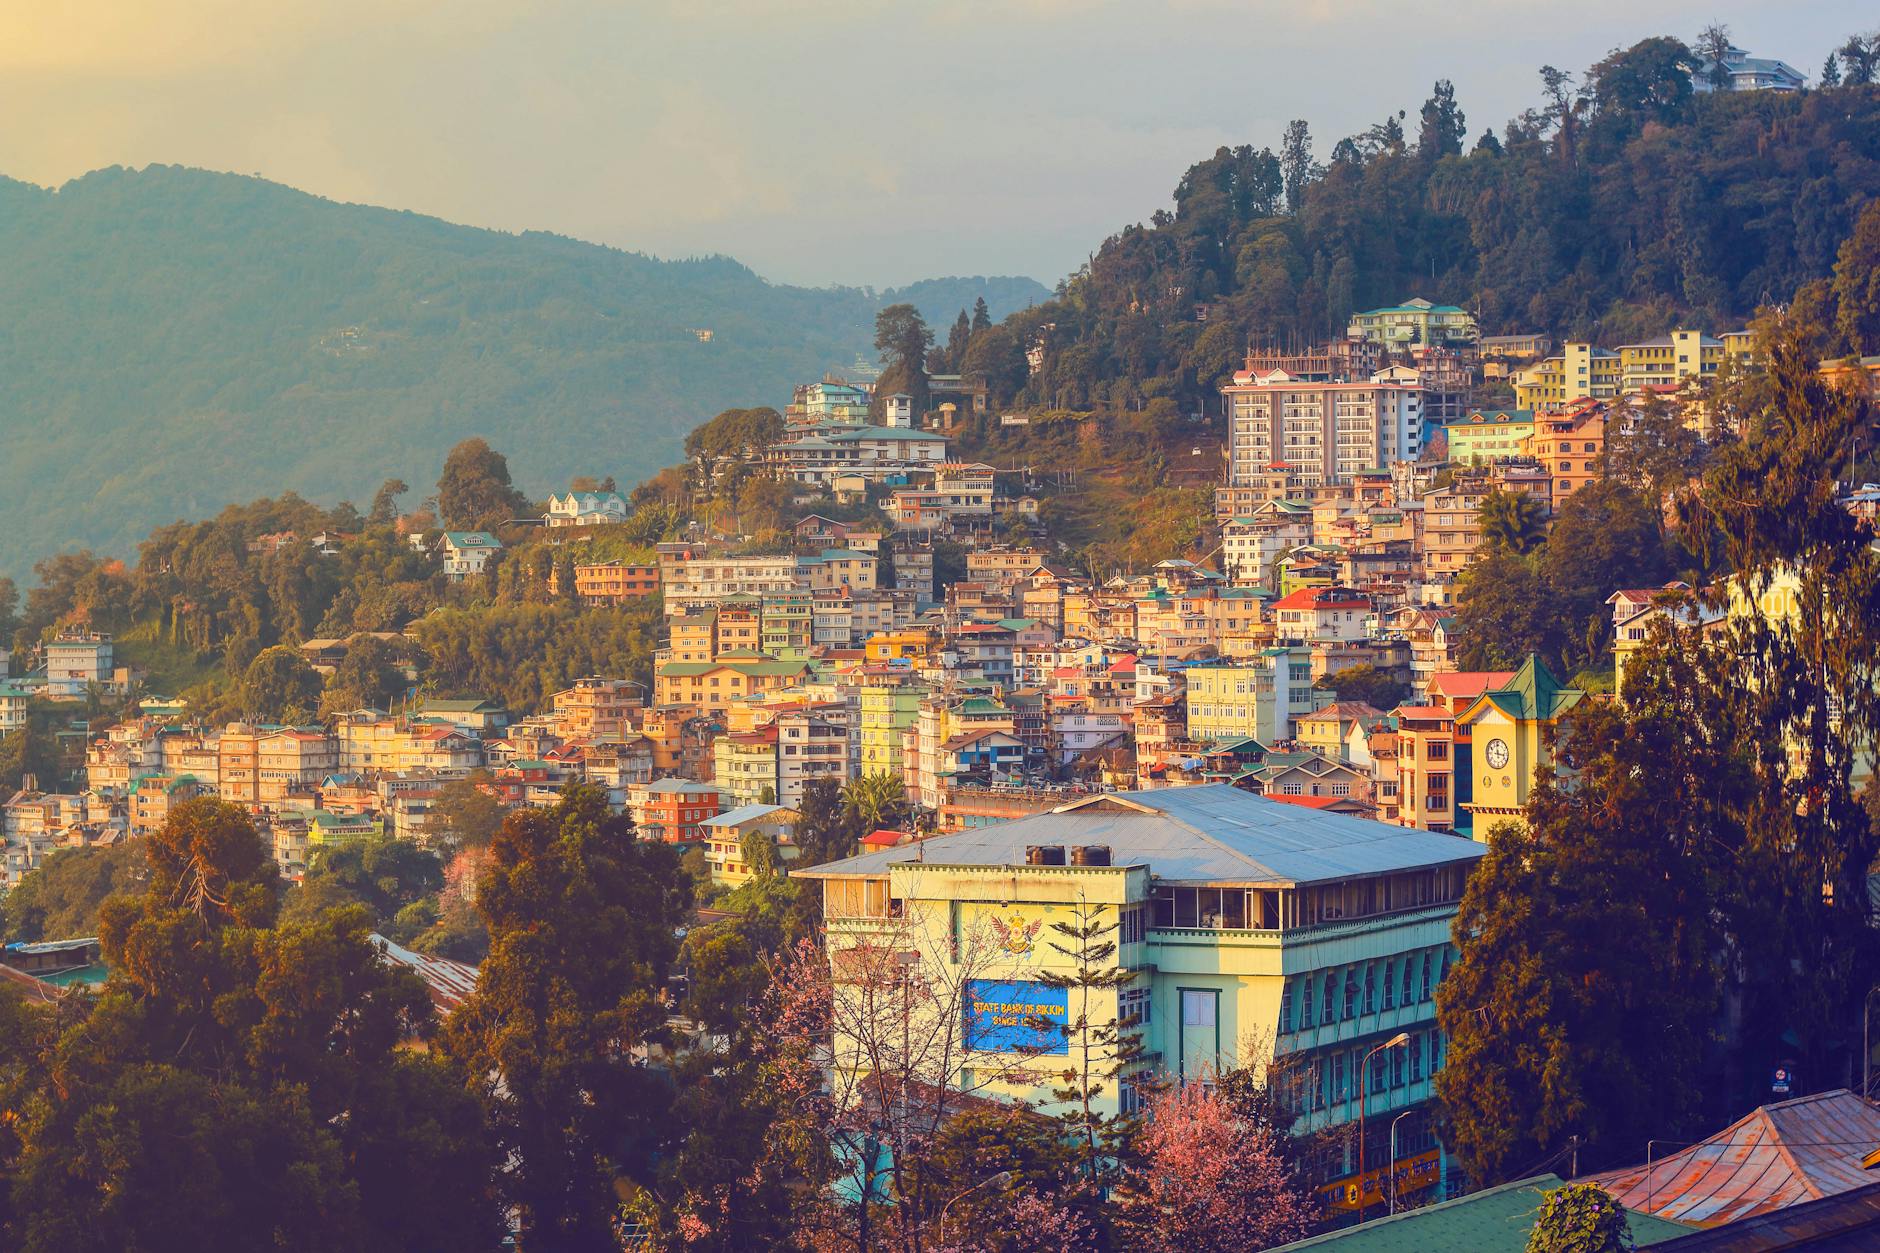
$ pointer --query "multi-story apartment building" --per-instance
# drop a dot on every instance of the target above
(1416, 322)
(889, 703)
(696, 582)
(1571, 447)
(838, 567)
(1315, 614)
(673, 810)
(822, 454)
(709, 686)
(1579, 371)
(293, 761)
(612, 582)
(1486, 436)
(1247, 932)
(77, 660)
(598, 707)
(1259, 698)
(744, 766)
(812, 744)
(1320, 433)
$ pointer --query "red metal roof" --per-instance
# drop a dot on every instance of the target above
(885, 838)
(1777, 1156)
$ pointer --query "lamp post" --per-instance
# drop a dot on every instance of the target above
(999, 1180)
(1393, 1157)
(1866, 1044)
(1364, 1094)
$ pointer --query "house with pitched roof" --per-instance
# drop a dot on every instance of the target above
(466, 553)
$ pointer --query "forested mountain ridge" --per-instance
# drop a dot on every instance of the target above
(172, 340)
(1620, 206)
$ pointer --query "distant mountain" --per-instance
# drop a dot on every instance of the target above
(172, 340)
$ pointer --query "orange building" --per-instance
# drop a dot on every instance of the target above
(613, 582)
(1571, 447)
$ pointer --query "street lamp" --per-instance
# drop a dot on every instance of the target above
(1393, 1157)
(1364, 1094)
(999, 1180)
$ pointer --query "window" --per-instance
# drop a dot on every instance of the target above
(1370, 988)
(1351, 993)
(1285, 1007)
(1328, 1010)
(1341, 1081)
(1438, 750)
(1406, 981)
(1132, 929)
(1426, 978)
(1305, 1003)
(1200, 1032)
(1390, 985)
(1135, 1006)
(1397, 1063)
(1128, 1096)
(1415, 1048)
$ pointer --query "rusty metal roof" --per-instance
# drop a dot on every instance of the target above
(1779, 1155)
(449, 982)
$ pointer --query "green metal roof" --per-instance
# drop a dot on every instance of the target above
(1493, 1220)
(1533, 694)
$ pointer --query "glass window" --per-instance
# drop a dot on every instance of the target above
(1327, 1010)
(1406, 981)
(1390, 985)
(1415, 1048)
(1370, 987)
(1305, 1002)
(1351, 993)
(1340, 1079)
(1285, 1007)
(1425, 995)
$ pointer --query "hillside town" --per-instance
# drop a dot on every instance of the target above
(1352, 719)
(932, 647)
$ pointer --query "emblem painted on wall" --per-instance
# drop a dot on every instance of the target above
(1017, 936)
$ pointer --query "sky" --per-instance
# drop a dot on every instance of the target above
(818, 141)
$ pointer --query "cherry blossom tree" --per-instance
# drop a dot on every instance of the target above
(1208, 1180)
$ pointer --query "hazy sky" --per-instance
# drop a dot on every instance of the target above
(820, 141)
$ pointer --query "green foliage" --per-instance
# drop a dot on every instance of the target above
(1607, 208)
(1513, 522)
(474, 492)
(1580, 1218)
(367, 677)
(1553, 1029)
(61, 900)
(279, 686)
(1377, 688)
(240, 1083)
(1553, 600)
(464, 815)
(581, 919)
(177, 337)
(384, 875)
(521, 654)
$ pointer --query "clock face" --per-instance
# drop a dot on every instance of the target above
(1496, 753)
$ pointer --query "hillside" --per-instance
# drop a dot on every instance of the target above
(172, 340)
(1620, 206)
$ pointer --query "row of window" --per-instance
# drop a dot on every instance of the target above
(1330, 996)
(1334, 1078)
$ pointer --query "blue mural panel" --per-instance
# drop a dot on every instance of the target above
(1016, 1016)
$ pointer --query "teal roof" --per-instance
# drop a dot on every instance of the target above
(472, 539)
(1494, 1220)
(1533, 694)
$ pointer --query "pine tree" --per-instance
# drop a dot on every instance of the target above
(1106, 1049)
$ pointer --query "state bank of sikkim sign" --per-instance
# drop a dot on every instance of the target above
(1016, 1016)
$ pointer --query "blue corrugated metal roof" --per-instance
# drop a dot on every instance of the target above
(1208, 834)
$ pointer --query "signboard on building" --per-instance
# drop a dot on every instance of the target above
(1413, 1174)
(1016, 1016)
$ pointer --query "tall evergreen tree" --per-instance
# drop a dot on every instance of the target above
(582, 920)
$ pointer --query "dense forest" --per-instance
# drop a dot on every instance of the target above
(1621, 205)
(173, 340)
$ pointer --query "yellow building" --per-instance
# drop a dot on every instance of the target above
(1508, 726)
(1253, 932)
(1261, 698)
(1490, 435)
(1576, 372)
(1672, 358)
(711, 686)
